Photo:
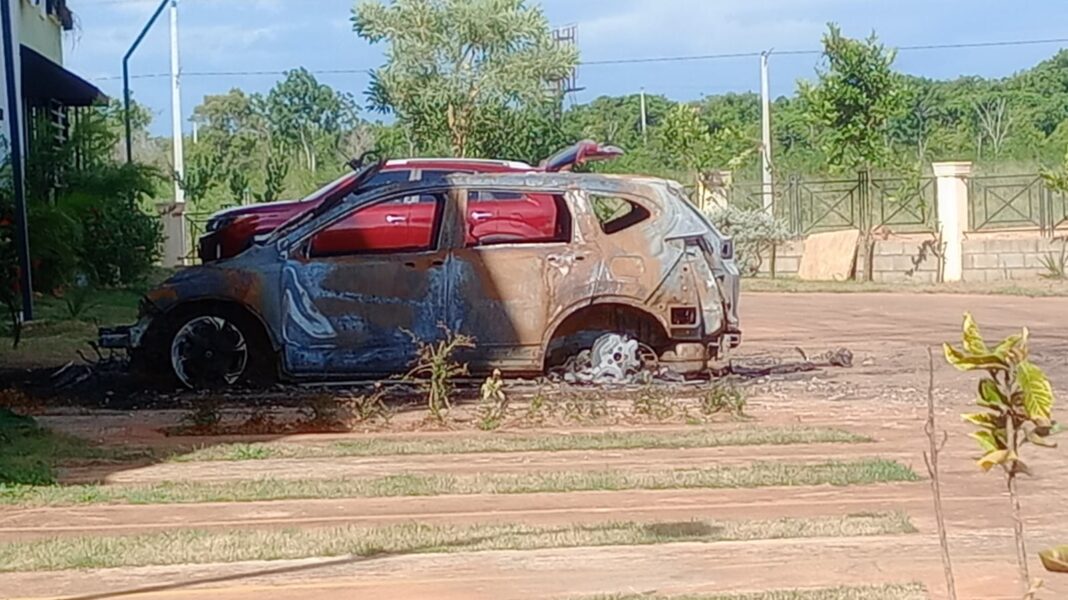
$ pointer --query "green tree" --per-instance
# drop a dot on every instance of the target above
(449, 62)
(856, 96)
(310, 116)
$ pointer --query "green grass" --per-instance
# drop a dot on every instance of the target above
(913, 591)
(502, 442)
(837, 473)
(30, 453)
(54, 338)
(198, 547)
(1030, 288)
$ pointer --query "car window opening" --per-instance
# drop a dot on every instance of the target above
(616, 214)
(496, 217)
(405, 224)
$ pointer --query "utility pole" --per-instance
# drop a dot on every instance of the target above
(644, 137)
(12, 113)
(126, 78)
(767, 188)
(176, 109)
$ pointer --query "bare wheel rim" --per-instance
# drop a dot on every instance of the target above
(209, 352)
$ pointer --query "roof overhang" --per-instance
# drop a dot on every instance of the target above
(43, 82)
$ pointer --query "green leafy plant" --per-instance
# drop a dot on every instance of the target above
(435, 369)
(541, 409)
(1056, 265)
(1017, 402)
(492, 403)
(585, 407)
(724, 397)
(78, 301)
(651, 403)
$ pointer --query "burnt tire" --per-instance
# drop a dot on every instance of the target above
(216, 348)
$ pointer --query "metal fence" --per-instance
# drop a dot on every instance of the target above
(812, 206)
(1015, 202)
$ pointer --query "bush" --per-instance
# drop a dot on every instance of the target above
(121, 241)
(755, 234)
(94, 226)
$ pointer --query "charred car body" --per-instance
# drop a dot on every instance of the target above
(623, 254)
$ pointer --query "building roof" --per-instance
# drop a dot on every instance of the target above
(43, 81)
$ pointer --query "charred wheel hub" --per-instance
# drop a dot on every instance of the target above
(209, 352)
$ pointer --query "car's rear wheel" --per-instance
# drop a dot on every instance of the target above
(217, 349)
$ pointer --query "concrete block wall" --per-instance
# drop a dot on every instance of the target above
(1004, 259)
(902, 260)
(787, 259)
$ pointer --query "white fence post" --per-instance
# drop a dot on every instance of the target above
(952, 190)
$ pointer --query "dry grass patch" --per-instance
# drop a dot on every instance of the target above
(553, 442)
(839, 473)
(198, 547)
(913, 591)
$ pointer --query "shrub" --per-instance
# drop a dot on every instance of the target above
(724, 396)
(121, 241)
(754, 231)
(492, 403)
(435, 368)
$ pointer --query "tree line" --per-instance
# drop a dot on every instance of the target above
(478, 79)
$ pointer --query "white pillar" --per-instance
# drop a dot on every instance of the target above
(952, 189)
(172, 215)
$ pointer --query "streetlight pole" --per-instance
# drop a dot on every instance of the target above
(176, 110)
(765, 137)
(126, 77)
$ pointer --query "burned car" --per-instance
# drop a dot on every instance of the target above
(328, 298)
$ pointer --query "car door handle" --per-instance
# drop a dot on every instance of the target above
(395, 219)
(480, 216)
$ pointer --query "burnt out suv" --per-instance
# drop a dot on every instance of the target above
(622, 254)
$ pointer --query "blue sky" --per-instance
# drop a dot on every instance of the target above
(274, 35)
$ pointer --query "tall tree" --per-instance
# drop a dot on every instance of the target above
(854, 99)
(449, 62)
(311, 116)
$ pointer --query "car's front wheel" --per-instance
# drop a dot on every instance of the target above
(215, 350)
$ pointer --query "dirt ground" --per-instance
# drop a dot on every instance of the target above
(882, 396)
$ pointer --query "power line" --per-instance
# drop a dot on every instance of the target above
(693, 57)
(618, 61)
(236, 73)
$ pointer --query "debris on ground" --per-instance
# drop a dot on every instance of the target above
(75, 374)
(840, 357)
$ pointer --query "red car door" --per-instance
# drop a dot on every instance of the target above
(527, 217)
(482, 217)
(379, 228)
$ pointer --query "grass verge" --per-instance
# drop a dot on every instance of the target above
(912, 591)
(198, 547)
(838, 473)
(29, 453)
(1030, 288)
(500, 442)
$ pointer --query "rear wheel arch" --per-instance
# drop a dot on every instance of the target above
(577, 328)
